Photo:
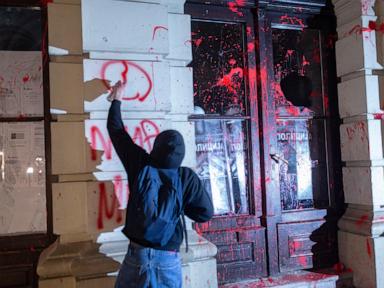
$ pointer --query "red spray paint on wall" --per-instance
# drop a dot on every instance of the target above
(105, 142)
(127, 66)
(143, 135)
(106, 209)
(157, 28)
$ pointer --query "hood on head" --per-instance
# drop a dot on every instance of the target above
(168, 149)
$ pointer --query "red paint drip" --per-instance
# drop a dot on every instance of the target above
(125, 72)
(362, 220)
(369, 249)
(157, 28)
(26, 78)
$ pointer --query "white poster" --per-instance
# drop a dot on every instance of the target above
(22, 181)
(21, 84)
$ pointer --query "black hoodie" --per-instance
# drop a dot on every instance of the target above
(168, 152)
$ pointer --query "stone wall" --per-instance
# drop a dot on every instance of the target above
(92, 45)
(359, 56)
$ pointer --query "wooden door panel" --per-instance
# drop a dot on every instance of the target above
(296, 244)
(241, 247)
(17, 277)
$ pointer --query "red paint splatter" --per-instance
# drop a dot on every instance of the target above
(290, 52)
(303, 261)
(157, 28)
(291, 20)
(350, 133)
(363, 219)
(26, 78)
(197, 42)
(326, 101)
(251, 47)
(249, 31)
(124, 75)
(339, 267)
(202, 227)
(369, 248)
(372, 26)
(228, 79)
(234, 6)
(106, 210)
(378, 116)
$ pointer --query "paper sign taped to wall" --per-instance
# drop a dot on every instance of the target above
(22, 181)
(21, 84)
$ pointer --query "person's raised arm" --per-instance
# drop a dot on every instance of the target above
(128, 152)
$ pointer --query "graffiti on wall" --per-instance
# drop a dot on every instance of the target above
(138, 90)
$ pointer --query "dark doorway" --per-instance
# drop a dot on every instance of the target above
(264, 82)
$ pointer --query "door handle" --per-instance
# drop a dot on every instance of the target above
(277, 158)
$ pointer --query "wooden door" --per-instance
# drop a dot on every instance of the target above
(227, 136)
(302, 202)
(286, 219)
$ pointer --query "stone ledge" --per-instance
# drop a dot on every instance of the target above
(78, 260)
(299, 279)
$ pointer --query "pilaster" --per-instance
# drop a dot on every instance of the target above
(359, 64)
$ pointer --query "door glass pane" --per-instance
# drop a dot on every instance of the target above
(298, 85)
(222, 163)
(302, 168)
(300, 120)
(218, 68)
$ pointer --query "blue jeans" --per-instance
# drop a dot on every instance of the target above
(149, 268)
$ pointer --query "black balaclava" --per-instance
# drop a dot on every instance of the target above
(168, 150)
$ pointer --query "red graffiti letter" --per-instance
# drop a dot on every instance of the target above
(105, 208)
(106, 143)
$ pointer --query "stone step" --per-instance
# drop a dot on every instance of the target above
(297, 279)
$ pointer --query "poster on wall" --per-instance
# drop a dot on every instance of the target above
(293, 139)
(221, 162)
(22, 181)
(21, 84)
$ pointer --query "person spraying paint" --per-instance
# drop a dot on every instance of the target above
(161, 192)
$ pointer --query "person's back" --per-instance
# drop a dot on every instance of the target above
(151, 261)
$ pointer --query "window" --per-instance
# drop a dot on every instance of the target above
(221, 113)
(22, 132)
